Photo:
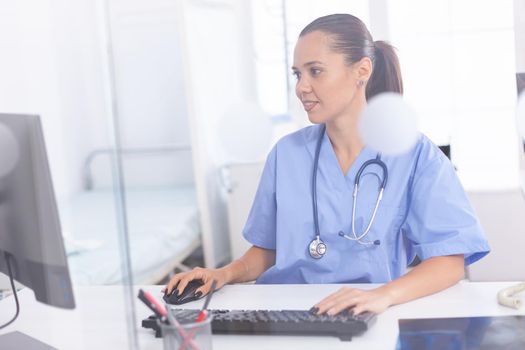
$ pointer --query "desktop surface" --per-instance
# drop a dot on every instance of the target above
(99, 320)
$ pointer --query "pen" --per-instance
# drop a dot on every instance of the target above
(161, 312)
(204, 312)
(153, 305)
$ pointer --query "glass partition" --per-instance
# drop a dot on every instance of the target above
(158, 192)
(53, 65)
(158, 114)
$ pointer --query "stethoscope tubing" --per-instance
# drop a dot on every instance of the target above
(314, 181)
(356, 237)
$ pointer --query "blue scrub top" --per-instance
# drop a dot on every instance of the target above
(424, 211)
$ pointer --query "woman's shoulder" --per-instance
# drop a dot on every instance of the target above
(299, 138)
(293, 147)
(427, 151)
(423, 156)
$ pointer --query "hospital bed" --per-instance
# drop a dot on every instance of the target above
(163, 226)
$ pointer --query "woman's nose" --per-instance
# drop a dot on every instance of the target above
(302, 87)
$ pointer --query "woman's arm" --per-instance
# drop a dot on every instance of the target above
(250, 266)
(430, 276)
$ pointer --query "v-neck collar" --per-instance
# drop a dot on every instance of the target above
(328, 163)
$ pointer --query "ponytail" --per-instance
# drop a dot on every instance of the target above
(386, 74)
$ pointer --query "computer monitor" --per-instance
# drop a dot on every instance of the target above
(30, 234)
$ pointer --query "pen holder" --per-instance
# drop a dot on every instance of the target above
(187, 336)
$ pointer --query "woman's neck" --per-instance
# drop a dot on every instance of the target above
(343, 133)
(344, 137)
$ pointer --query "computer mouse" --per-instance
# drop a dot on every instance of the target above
(185, 296)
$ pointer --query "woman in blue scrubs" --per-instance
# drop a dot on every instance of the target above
(424, 210)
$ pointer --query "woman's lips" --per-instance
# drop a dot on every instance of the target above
(309, 105)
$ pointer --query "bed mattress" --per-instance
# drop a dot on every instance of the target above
(163, 226)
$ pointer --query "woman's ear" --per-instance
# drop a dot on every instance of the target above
(364, 69)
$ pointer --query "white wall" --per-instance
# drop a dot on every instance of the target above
(53, 64)
(50, 65)
(150, 88)
(150, 96)
(217, 55)
(243, 182)
(519, 25)
(519, 30)
(458, 61)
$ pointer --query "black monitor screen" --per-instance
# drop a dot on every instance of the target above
(30, 233)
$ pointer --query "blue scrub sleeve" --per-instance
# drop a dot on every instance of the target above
(441, 220)
(261, 224)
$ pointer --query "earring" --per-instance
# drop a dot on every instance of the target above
(360, 83)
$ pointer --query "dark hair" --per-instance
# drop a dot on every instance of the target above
(351, 38)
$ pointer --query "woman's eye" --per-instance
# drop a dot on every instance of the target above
(297, 75)
(315, 71)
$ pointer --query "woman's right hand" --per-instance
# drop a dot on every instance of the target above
(181, 280)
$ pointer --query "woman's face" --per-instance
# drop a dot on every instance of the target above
(326, 84)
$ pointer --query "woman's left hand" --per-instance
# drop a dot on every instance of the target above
(375, 300)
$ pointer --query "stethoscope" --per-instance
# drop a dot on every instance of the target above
(317, 247)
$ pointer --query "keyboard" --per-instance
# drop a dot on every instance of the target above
(345, 325)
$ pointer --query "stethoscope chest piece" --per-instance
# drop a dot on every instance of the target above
(317, 248)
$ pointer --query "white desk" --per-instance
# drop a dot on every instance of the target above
(98, 321)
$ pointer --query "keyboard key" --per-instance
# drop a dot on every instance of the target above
(274, 322)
